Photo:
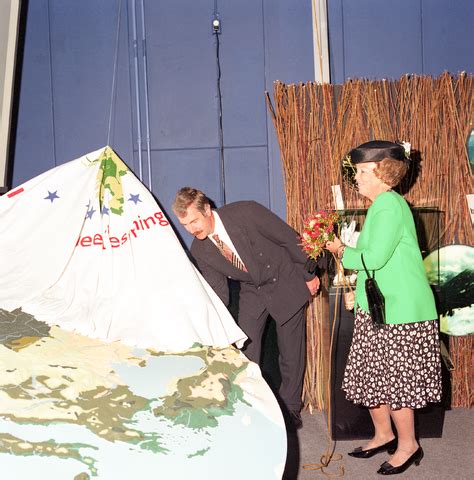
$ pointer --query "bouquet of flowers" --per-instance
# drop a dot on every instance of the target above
(317, 230)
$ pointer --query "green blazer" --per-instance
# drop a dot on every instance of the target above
(390, 247)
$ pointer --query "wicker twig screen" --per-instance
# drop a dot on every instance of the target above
(318, 124)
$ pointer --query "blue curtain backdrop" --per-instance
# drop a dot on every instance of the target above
(74, 54)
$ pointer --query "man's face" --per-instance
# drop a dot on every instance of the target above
(197, 223)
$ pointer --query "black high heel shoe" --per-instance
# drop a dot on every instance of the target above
(387, 469)
(390, 447)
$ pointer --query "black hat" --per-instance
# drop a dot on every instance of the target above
(378, 150)
(373, 151)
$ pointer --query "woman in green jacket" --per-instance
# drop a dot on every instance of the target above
(394, 368)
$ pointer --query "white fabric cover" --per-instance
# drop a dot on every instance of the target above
(69, 260)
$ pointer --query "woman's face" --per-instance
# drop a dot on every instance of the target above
(367, 183)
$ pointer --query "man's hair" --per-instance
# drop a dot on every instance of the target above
(189, 196)
(390, 171)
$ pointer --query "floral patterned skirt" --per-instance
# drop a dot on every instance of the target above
(397, 365)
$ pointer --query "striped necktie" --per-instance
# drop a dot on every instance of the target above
(228, 253)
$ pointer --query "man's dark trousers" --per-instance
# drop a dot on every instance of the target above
(292, 350)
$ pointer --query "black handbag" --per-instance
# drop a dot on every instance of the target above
(375, 298)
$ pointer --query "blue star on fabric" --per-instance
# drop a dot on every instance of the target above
(134, 198)
(90, 213)
(51, 196)
(105, 210)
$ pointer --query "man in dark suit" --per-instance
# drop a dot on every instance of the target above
(246, 242)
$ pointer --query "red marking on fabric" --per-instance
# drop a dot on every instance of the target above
(15, 192)
(141, 224)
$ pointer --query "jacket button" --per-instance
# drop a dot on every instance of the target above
(274, 279)
(268, 266)
(261, 254)
(258, 288)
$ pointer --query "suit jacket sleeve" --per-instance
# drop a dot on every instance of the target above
(275, 229)
(215, 279)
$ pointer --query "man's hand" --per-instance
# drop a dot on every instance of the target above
(313, 285)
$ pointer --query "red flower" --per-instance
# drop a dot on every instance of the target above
(317, 230)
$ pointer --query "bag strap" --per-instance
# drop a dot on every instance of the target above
(365, 268)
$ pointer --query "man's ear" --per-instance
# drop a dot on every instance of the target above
(207, 210)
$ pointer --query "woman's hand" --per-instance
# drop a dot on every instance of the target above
(333, 245)
(349, 300)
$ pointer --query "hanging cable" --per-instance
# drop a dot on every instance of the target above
(145, 87)
(137, 89)
(113, 92)
(216, 30)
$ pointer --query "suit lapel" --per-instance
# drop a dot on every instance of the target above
(240, 238)
(211, 255)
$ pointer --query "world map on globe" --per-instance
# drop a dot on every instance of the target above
(80, 408)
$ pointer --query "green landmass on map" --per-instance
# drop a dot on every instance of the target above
(109, 176)
(15, 445)
(19, 329)
(198, 400)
